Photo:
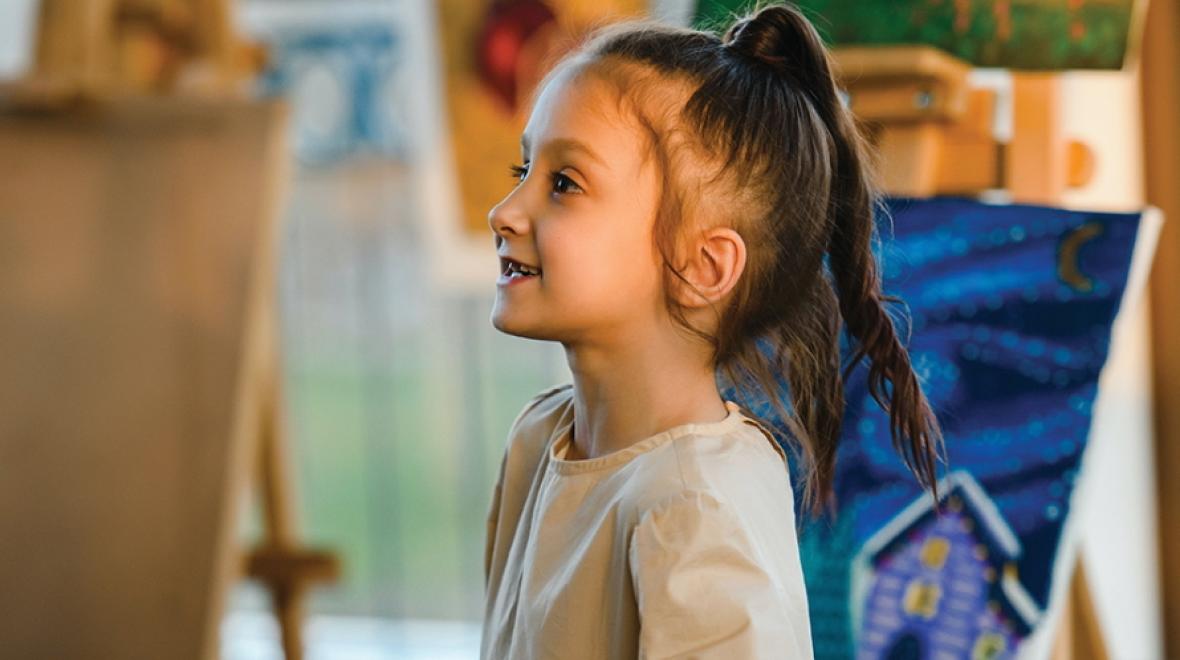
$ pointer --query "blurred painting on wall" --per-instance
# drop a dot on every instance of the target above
(1009, 34)
(343, 68)
(495, 51)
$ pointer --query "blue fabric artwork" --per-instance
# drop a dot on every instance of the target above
(347, 83)
(1009, 311)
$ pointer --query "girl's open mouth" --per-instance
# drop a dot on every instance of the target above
(512, 272)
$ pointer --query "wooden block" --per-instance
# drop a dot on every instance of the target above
(970, 153)
(139, 45)
(859, 64)
(902, 83)
(1036, 158)
(932, 132)
(1079, 164)
(910, 156)
(906, 101)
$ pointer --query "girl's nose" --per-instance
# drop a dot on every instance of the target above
(506, 218)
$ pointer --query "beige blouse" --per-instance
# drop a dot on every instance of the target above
(681, 545)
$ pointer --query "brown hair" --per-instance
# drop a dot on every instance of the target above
(790, 173)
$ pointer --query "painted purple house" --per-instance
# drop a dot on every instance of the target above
(929, 587)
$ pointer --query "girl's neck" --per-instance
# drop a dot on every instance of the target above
(637, 390)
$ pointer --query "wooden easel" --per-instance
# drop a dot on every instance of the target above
(97, 52)
(933, 133)
(280, 561)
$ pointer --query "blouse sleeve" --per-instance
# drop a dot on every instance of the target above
(703, 588)
(493, 514)
(493, 518)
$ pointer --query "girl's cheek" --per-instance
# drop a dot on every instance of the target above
(556, 247)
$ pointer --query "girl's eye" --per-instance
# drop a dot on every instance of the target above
(559, 179)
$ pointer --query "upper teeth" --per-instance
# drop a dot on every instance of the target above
(521, 268)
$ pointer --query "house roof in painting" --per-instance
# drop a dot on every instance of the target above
(960, 491)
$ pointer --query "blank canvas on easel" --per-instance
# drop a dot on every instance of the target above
(136, 239)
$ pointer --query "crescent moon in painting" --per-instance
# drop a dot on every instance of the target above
(1067, 256)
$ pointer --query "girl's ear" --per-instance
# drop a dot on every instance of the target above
(715, 261)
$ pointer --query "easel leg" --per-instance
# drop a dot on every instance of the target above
(279, 562)
(1079, 635)
(274, 475)
(289, 609)
(276, 494)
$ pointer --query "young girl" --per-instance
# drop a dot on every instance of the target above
(677, 197)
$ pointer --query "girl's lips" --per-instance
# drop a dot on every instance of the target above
(509, 268)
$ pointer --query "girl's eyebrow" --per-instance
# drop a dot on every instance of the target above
(564, 144)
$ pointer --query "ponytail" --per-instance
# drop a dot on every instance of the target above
(780, 37)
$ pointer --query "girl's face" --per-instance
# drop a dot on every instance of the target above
(582, 212)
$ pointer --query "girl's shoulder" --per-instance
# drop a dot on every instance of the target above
(545, 407)
(739, 464)
(538, 418)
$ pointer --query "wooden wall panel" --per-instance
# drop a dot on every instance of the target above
(1161, 118)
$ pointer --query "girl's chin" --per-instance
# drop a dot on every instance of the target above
(506, 324)
(517, 328)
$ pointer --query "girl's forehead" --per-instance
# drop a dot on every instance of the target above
(610, 95)
(577, 104)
